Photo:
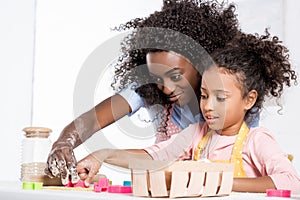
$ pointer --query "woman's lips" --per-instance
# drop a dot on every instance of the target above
(175, 97)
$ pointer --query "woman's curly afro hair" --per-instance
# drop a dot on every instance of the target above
(179, 26)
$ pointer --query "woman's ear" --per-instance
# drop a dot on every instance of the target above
(251, 99)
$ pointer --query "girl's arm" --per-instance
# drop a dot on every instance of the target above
(269, 163)
(259, 184)
(88, 167)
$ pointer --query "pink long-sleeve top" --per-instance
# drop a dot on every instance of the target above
(262, 155)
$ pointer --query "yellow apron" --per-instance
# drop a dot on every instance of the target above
(236, 155)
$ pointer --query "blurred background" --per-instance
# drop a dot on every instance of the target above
(45, 43)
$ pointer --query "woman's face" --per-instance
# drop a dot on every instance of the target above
(174, 75)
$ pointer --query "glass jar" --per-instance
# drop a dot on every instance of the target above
(36, 146)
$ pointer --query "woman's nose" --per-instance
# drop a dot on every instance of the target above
(168, 87)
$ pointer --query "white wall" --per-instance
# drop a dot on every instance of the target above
(68, 32)
(16, 71)
(282, 19)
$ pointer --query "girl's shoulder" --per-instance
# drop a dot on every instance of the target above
(197, 128)
(200, 127)
(259, 132)
(194, 131)
(260, 137)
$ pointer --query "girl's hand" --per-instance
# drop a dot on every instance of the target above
(89, 166)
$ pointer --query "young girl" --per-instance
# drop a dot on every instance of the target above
(247, 70)
(174, 84)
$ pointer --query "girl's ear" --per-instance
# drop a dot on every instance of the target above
(251, 99)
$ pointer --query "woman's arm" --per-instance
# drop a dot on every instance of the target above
(89, 166)
(61, 159)
(102, 115)
(259, 184)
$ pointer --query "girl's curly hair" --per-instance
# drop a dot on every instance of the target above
(262, 62)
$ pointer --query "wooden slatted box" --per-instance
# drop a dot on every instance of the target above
(180, 178)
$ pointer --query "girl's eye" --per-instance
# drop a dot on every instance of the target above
(221, 99)
(176, 77)
(203, 96)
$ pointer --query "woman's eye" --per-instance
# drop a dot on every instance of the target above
(176, 77)
(156, 79)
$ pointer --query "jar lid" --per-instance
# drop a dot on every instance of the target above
(40, 132)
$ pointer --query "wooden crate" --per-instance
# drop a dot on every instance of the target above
(181, 178)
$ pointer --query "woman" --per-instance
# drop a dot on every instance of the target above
(171, 39)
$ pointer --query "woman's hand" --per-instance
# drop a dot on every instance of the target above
(62, 163)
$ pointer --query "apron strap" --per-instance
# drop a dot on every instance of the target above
(236, 155)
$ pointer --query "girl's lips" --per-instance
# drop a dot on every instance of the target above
(211, 120)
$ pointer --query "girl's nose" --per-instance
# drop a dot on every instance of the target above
(208, 104)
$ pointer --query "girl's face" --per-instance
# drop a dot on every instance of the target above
(221, 103)
(174, 75)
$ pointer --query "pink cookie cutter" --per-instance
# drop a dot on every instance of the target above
(119, 189)
(278, 193)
